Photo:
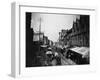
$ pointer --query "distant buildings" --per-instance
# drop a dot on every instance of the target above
(38, 36)
(61, 37)
(45, 40)
(41, 39)
(78, 35)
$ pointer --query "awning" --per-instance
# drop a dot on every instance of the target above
(81, 50)
(43, 45)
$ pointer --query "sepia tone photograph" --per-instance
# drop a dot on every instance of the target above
(57, 39)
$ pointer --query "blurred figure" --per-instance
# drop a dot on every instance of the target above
(49, 56)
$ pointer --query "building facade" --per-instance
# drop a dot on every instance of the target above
(78, 35)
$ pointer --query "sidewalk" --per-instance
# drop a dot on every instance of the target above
(65, 61)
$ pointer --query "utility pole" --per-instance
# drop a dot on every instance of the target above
(39, 31)
(39, 28)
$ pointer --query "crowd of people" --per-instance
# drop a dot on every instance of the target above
(50, 56)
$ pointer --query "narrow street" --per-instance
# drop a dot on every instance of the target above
(59, 59)
(53, 56)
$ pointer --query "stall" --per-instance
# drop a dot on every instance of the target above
(80, 55)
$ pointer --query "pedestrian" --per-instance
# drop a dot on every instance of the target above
(49, 56)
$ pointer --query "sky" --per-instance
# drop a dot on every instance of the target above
(52, 24)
